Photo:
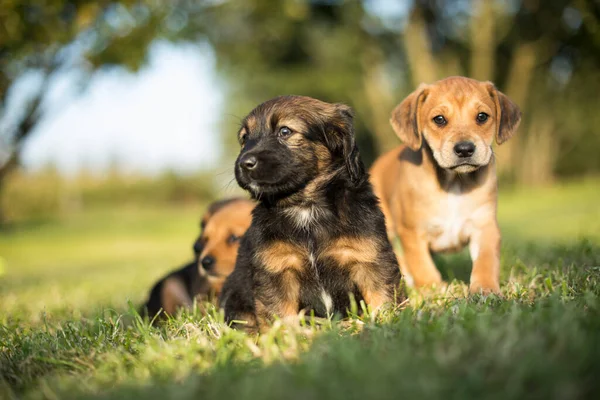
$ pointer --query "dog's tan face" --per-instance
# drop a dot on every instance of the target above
(220, 238)
(458, 118)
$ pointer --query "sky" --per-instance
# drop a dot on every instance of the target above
(165, 116)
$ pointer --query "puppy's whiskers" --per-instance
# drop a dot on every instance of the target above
(227, 187)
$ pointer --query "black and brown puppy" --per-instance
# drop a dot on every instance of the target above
(215, 251)
(317, 235)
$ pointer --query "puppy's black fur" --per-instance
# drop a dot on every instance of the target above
(188, 275)
(317, 235)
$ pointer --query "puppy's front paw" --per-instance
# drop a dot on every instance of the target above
(484, 288)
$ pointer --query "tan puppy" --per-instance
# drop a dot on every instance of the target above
(221, 233)
(215, 252)
(438, 191)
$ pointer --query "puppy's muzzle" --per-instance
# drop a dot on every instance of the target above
(259, 167)
(464, 149)
(249, 162)
(208, 263)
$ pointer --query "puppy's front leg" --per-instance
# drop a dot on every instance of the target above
(417, 261)
(484, 247)
(277, 295)
(372, 286)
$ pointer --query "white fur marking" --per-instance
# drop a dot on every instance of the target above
(254, 188)
(474, 249)
(311, 258)
(303, 217)
(327, 301)
(449, 228)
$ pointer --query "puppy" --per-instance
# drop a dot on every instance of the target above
(317, 236)
(438, 191)
(215, 251)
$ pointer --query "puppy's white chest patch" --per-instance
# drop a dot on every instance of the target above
(303, 217)
(450, 227)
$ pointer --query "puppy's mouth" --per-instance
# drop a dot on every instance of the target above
(465, 167)
(210, 274)
(257, 188)
(280, 189)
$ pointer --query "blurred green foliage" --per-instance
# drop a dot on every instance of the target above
(369, 54)
(47, 37)
(46, 195)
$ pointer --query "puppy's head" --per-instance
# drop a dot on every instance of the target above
(459, 119)
(290, 140)
(223, 225)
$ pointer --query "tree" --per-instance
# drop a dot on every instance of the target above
(536, 52)
(49, 36)
(545, 55)
(344, 51)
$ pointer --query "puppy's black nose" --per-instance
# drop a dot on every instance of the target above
(208, 262)
(197, 247)
(464, 149)
(249, 162)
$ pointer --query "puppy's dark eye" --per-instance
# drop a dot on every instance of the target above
(482, 117)
(232, 239)
(439, 120)
(285, 131)
(243, 138)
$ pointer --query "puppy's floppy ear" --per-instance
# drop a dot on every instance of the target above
(405, 118)
(343, 124)
(508, 114)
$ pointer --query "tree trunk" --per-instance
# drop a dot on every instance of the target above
(423, 66)
(5, 171)
(517, 88)
(483, 43)
(22, 131)
(540, 147)
(379, 98)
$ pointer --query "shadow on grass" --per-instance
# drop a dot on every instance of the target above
(454, 266)
(521, 257)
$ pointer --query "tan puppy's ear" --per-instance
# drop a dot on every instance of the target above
(508, 114)
(405, 118)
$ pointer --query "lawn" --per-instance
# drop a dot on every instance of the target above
(68, 330)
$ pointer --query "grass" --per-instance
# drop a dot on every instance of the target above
(68, 330)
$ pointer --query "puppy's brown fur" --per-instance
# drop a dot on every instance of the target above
(215, 251)
(220, 237)
(437, 196)
(317, 236)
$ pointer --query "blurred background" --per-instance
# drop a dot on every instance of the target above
(118, 118)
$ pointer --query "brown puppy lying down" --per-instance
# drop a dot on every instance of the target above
(438, 191)
(215, 251)
(317, 236)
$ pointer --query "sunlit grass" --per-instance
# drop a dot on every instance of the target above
(67, 329)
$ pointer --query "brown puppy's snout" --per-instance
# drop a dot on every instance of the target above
(464, 149)
(208, 263)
